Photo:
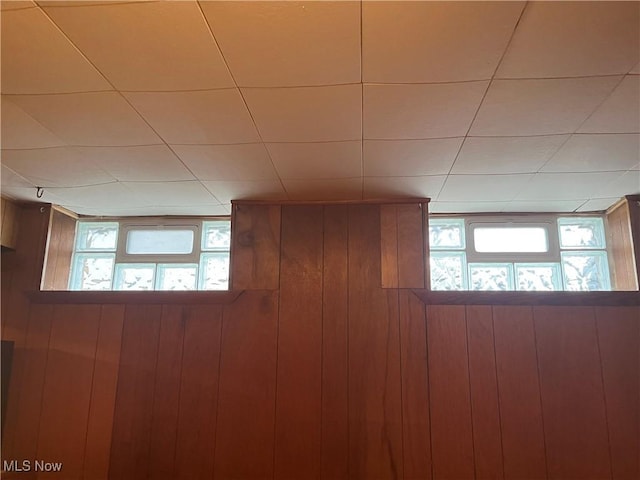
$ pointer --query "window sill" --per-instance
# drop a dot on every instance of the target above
(212, 297)
(430, 297)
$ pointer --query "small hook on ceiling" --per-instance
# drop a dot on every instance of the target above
(39, 192)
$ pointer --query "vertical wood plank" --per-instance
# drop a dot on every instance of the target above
(199, 393)
(166, 393)
(134, 399)
(246, 399)
(375, 409)
(255, 253)
(411, 260)
(59, 252)
(487, 438)
(389, 245)
(67, 388)
(425, 244)
(572, 393)
(299, 382)
(618, 331)
(415, 388)
(103, 393)
(519, 393)
(451, 427)
(335, 373)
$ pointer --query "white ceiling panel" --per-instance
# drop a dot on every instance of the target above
(620, 113)
(567, 39)
(37, 58)
(324, 189)
(309, 114)
(565, 186)
(104, 197)
(597, 204)
(55, 167)
(201, 117)
(317, 160)
(381, 187)
(171, 193)
(12, 179)
(626, 184)
(98, 119)
(635, 70)
(466, 207)
(556, 206)
(401, 158)
(225, 191)
(420, 42)
(19, 130)
(501, 155)
(141, 163)
(188, 210)
(540, 107)
(482, 188)
(16, 4)
(227, 162)
(594, 153)
(420, 111)
(148, 46)
(270, 44)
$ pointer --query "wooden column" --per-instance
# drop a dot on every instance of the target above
(623, 237)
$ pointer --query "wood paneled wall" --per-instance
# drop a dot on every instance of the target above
(622, 242)
(318, 372)
(9, 221)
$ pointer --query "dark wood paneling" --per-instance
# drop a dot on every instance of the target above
(59, 251)
(618, 338)
(487, 437)
(255, 252)
(9, 221)
(415, 388)
(375, 418)
(134, 400)
(389, 246)
(519, 393)
(335, 373)
(411, 260)
(195, 444)
(209, 297)
(299, 384)
(572, 393)
(620, 248)
(450, 403)
(246, 401)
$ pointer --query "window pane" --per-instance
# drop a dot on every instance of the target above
(510, 239)
(491, 276)
(585, 271)
(448, 271)
(97, 236)
(446, 233)
(538, 276)
(134, 276)
(214, 271)
(159, 242)
(174, 276)
(92, 271)
(581, 232)
(216, 235)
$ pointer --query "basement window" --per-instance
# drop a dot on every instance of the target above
(526, 253)
(147, 254)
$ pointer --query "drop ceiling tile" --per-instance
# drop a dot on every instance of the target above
(225, 191)
(141, 163)
(307, 114)
(381, 187)
(175, 194)
(55, 167)
(483, 188)
(594, 153)
(90, 119)
(597, 204)
(189, 210)
(624, 184)
(620, 113)
(325, 189)
(19, 130)
(402, 158)
(269, 44)
(28, 194)
(227, 162)
(540, 107)
(466, 207)
(635, 70)
(420, 111)
(317, 160)
(554, 206)
(37, 58)
(168, 44)
(203, 117)
(99, 197)
(564, 39)
(16, 4)
(501, 155)
(565, 186)
(413, 42)
(9, 178)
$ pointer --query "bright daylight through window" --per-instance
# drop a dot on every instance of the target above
(147, 255)
(521, 253)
